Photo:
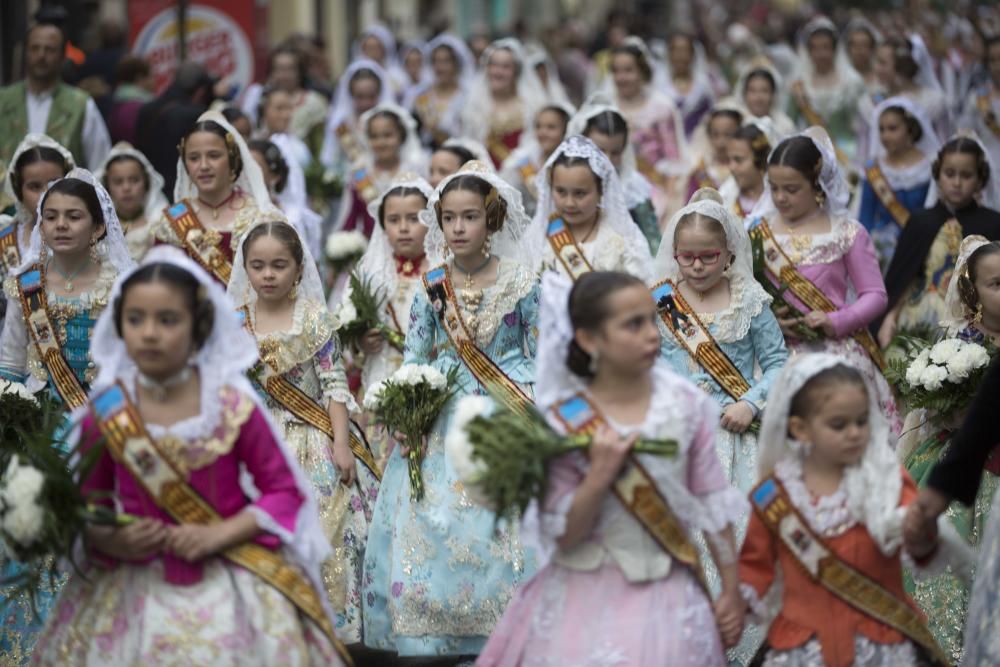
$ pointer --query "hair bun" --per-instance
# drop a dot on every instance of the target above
(706, 194)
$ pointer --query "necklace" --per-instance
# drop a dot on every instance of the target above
(158, 389)
(471, 296)
(68, 285)
(216, 209)
(590, 231)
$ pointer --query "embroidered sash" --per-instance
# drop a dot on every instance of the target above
(695, 339)
(652, 174)
(441, 295)
(884, 192)
(201, 243)
(131, 446)
(783, 269)
(636, 490)
(776, 510)
(35, 306)
(10, 256)
(364, 185)
(985, 109)
(569, 254)
(349, 143)
(813, 118)
(303, 406)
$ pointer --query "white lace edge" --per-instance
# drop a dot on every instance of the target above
(789, 472)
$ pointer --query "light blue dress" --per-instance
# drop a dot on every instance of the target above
(74, 319)
(437, 578)
(748, 333)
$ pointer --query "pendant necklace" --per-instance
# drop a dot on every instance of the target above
(158, 389)
(471, 296)
(215, 209)
(68, 285)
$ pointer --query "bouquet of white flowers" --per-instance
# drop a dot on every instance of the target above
(501, 457)
(343, 249)
(941, 377)
(409, 402)
(359, 314)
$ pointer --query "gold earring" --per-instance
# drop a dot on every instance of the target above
(487, 246)
(94, 256)
(820, 198)
(978, 317)
(294, 294)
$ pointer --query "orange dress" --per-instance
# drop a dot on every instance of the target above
(807, 609)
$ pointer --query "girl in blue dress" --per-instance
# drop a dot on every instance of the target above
(438, 573)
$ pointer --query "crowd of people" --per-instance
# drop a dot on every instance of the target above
(757, 248)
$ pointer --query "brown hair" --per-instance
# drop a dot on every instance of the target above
(967, 277)
(210, 126)
(588, 309)
(802, 404)
(398, 191)
(199, 305)
(278, 229)
(495, 205)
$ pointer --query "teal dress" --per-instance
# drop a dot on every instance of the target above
(74, 319)
(438, 573)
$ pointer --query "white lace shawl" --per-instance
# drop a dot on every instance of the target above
(929, 143)
(411, 153)
(849, 85)
(636, 189)
(614, 214)
(30, 141)
(156, 201)
(958, 314)
(342, 109)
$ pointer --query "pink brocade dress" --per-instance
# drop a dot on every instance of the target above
(163, 610)
(617, 599)
(844, 266)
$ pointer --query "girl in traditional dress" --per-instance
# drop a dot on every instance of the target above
(760, 89)
(447, 160)
(287, 70)
(860, 39)
(983, 104)
(832, 491)
(963, 201)
(905, 68)
(826, 259)
(207, 576)
(362, 86)
(704, 265)
(503, 100)
(392, 147)
(973, 316)
(438, 571)
(898, 174)
(286, 185)
(710, 145)
(37, 162)
(378, 44)
(688, 79)
(62, 285)
(521, 167)
(601, 122)
(581, 223)
(413, 56)
(655, 124)
(136, 188)
(438, 103)
(276, 109)
(608, 593)
(276, 283)
(827, 91)
(219, 193)
(747, 152)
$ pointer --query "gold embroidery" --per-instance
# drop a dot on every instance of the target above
(190, 456)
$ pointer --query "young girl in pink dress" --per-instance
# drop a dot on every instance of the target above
(192, 579)
(608, 594)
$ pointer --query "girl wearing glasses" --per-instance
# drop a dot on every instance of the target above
(706, 294)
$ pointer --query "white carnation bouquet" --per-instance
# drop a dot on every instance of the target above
(501, 456)
(408, 403)
(343, 249)
(941, 377)
(359, 314)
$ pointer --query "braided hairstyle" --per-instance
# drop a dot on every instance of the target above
(495, 205)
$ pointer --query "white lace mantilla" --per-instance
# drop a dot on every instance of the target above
(829, 515)
(514, 282)
(907, 178)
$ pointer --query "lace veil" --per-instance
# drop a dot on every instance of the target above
(30, 141)
(411, 153)
(929, 144)
(156, 201)
(958, 314)
(990, 194)
(342, 109)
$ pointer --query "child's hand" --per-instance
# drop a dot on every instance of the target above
(372, 342)
(788, 324)
(343, 458)
(820, 321)
(607, 455)
(737, 417)
(404, 448)
(920, 531)
(136, 541)
(887, 331)
(195, 542)
(730, 610)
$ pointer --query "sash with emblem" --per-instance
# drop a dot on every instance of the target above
(303, 406)
(636, 490)
(775, 509)
(695, 339)
(441, 295)
(778, 264)
(201, 243)
(130, 444)
(813, 118)
(985, 109)
(349, 143)
(35, 306)
(10, 256)
(884, 192)
(364, 185)
(569, 254)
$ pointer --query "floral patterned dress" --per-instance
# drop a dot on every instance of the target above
(438, 572)
(308, 355)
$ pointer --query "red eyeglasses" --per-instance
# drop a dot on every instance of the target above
(708, 258)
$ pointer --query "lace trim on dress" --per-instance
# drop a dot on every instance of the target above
(867, 653)
(906, 178)
(312, 328)
(513, 283)
(825, 248)
(830, 516)
(733, 323)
